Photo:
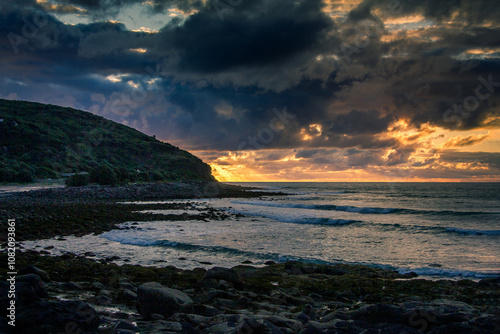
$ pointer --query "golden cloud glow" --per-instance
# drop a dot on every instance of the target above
(115, 77)
(465, 141)
(421, 156)
(146, 30)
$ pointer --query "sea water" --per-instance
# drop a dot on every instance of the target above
(438, 230)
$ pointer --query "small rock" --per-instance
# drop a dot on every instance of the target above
(103, 300)
(411, 274)
(70, 286)
(104, 292)
(228, 275)
(126, 325)
(98, 285)
(129, 297)
(128, 286)
(379, 313)
(156, 316)
(243, 302)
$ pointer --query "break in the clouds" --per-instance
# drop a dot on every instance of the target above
(275, 89)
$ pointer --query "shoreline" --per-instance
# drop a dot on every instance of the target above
(47, 213)
(291, 297)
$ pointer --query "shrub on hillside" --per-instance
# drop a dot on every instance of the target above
(103, 175)
(24, 176)
(77, 180)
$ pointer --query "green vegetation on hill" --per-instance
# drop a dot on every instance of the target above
(39, 141)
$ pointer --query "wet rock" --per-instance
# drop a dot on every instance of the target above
(411, 274)
(98, 286)
(206, 310)
(294, 325)
(243, 302)
(389, 328)
(36, 283)
(129, 297)
(156, 316)
(103, 300)
(125, 325)
(223, 328)
(55, 317)
(153, 297)
(25, 294)
(302, 317)
(300, 268)
(438, 312)
(218, 284)
(228, 275)
(128, 286)
(160, 326)
(34, 270)
(379, 313)
(104, 292)
(490, 282)
(70, 286)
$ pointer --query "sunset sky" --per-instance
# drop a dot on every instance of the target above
(276, 90)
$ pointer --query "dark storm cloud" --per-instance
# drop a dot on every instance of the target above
(245, 37)
(219, 79)
(492, 159)
(359, 122)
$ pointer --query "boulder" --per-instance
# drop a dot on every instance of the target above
(56, 316)
(34, 270)
(36, 282)
(153, 297)
(25, 294)
(379, 313)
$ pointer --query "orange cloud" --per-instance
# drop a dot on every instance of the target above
(465, 141)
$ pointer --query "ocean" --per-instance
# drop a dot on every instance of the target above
(438, 230)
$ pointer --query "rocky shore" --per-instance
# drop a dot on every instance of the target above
(77, 294)
(135, 192)
(47, 213)
(72, 294)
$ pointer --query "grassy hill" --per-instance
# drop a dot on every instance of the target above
(39, 141)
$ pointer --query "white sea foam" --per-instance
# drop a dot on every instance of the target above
(327, 207)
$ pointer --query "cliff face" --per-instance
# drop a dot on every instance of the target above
(39, 141)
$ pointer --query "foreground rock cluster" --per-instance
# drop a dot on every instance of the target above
(278, 298)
